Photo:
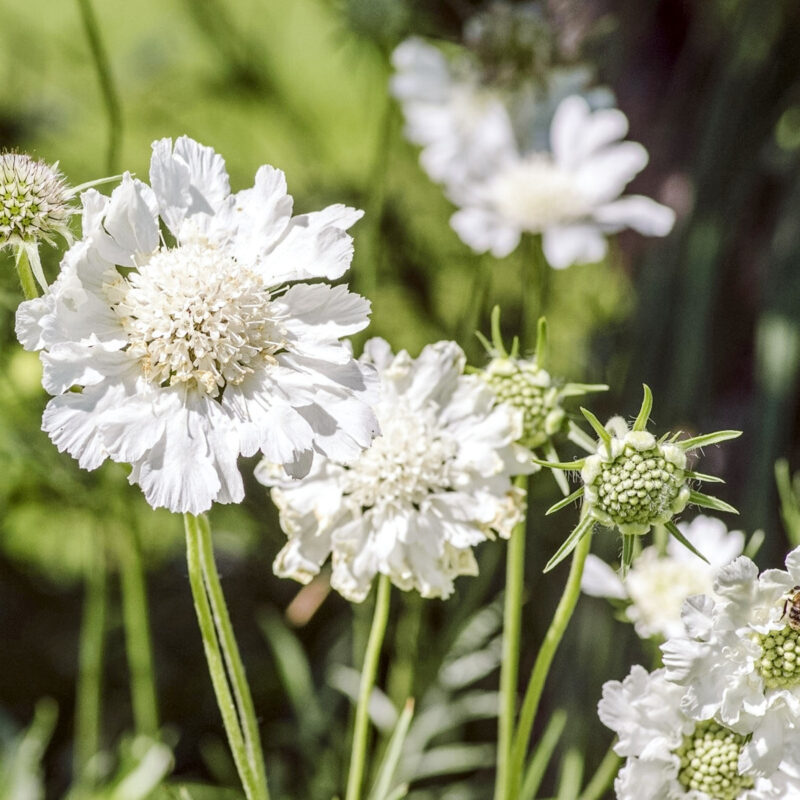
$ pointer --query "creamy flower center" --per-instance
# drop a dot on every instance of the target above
(531, 390)
(780, 658)
(196, 316)
(536, 194)
(710, 762)
(406, 463)
(638, 486)
(33, 199)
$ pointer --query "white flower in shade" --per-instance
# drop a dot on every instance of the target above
(458, 122)
(34, 206)
(672, 757)
(434, 484)
(177, 358)
(658, 583)
(740, 662)
(569, 194)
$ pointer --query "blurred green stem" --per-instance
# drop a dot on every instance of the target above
(137, 633)
(355, 777)
(220, 649)
(107, 87)
(90, 662)
(402, 669)
(25, 273)
(603, 776)
(544, 659)
(476, 300)
(512, 620)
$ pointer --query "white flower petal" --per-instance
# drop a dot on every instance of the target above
(604, 175)
(484, 231)
(573, 244)
(638, 212)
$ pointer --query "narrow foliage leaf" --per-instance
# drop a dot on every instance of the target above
(714, 503)
(599, 428)
(497, 336)
(708, 438)
(568, 465)
(565, 501)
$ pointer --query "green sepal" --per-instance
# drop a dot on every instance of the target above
(487, 345)
(754, 544)
(583, 528)
(578, 389)
(675, 531)
(567, 465)
(644, 411)
(709, 438)
(565, 501)
(497, 336)
(541, 342)
(599, 428)
(559, 477)
(580, 437)
(714, 503)
(701, 476)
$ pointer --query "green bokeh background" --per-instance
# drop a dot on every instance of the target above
(709, 317)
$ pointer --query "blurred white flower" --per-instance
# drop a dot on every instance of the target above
(671, 756)
(740, 662)
(458, 122)
(570, 194)
(190, 354)
(436, 482)
(657, 584)
(34, 206)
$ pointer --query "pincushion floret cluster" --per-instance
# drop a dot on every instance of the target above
(632, 481)
(433, 485)
(178, 357)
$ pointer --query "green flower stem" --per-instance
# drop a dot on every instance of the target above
(233, 660)
(544, 659)
(107, 87)
(90, 662)
(25, 273)
(355, 777)
(214, 657)
(137, 633)
(509, 674)
(603, 776)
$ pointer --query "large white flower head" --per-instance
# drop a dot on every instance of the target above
(187, 354)
(34, 206)
(570, 194)
(740, 661)
(435, 483)
(632, 481)
(671, 756)
(659, 581)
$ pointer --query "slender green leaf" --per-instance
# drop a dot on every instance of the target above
(577, 389)
(701, 476)
(383, 782)
(542, 755)
(497, 336)
(541, 342)
(570, 775)
(581, 438)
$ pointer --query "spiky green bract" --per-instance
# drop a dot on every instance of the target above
(632, 481)
(529, 387)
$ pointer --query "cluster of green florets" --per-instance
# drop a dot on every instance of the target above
(780, 658)
(710, 762)
(635, 482)
(33, 200)
(522, 384)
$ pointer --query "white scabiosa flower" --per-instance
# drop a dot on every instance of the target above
(671, 756)
(658, 582)
(458, 122)
(34, 206)
(434, 484)
(632, 481)
(570, 194)
(740, 661)
(177, 358)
